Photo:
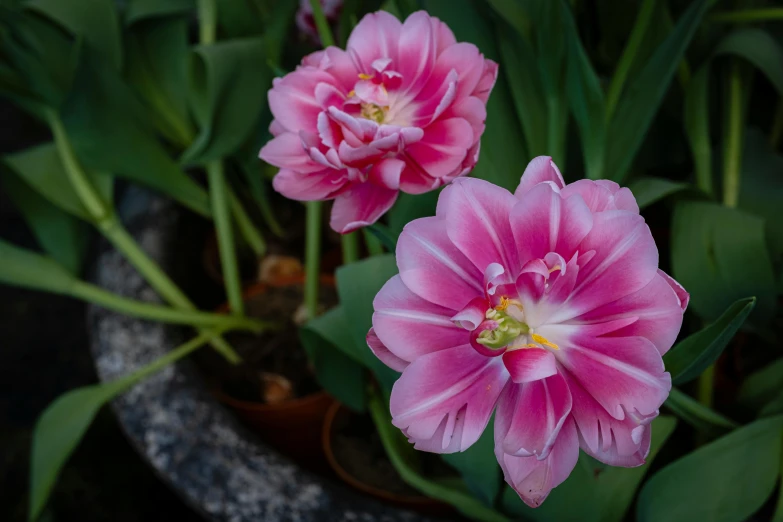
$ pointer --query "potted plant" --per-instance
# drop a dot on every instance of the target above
(500, 319)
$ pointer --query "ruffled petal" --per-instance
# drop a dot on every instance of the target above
(375, 36)
(443, 147)
(444, 400)
(359, 206)
(540, 170)
(287, 151)
(416, 52)
(411, 326)
(529, 364)
(309, 187)
(292, 99)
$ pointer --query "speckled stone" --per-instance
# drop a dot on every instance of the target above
(195, 445)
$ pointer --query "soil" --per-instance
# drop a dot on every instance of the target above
(275, 366)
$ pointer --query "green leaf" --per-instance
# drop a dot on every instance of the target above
(94, 20)
(762, 386)
(139, 10)
(337, 361)
(727, 480)
(240, 18)
(593, 492)
(40, 167)
(586, 99)
(409, 207)
(157, 52)
(110, 132)
(503, 154)
(759, 48)
(479, 468)
(226, 79)
(702, 418)
(384, 235)
(691, 356)
(650, 190)
(357, 285)
(62, 236)
(58, 431)
(516, 15)
(27, 269)
(401, 454)
(719, 254)
(643, 96)
(697, 127)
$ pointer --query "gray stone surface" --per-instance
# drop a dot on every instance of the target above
(195, 445)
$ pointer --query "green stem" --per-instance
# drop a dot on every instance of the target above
(777, 127)
(207, 18)
(96, 207)
(245, 225)
(374, 245)
(350, 243)
(154, 312)
(748, 15)
(225, 235)
(312, 256)
(706, 383)
(629, 55)
(320, 22)
(555, 135)
(732, 157)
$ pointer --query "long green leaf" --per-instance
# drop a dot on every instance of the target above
(94, 20)
(644, 94)
(727, 480)
(690, 357)
(762, 386)
(515, 14)
(27, 269)
(704, 419)
(139, 10)
(650, 190)
(61, 235)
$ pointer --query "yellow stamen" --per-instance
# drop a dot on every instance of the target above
(352, 94)
(504, 302)
(363, 76)
(556, 267)
(543, 341)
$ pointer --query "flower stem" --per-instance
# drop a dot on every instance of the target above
(748, 15)
(207, 18)
(732, 152)
(350, 244)
(320, 22)
(245, 225)
(629, 54)
(225, 235)
(374, 245)
(312, 257)
(97, 295)
(706, 381)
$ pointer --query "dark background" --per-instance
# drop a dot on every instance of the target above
(44, 352)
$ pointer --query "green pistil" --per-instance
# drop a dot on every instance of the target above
(505, 333)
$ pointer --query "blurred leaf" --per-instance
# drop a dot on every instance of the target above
(94, 20)
(593, 492)
(586, 99)
(409, 207)
(259, 191)
(157, 53)
(226, 79)
(515, 14)
(761, 387)
(643, 95)
(357, 285)
(139, 10)
(384, 235)
(759, 48)
(697, 127)
(478, 467)
(28, 269)
(279, 22)
(649, 190)
(40, 167)
(241, 18)
(726, 480)
(110, 132)
(401, 454)
(62, 236)
(503, 155)
(337, 361)
(773, 407)
(719, 255)
(704, 419)
(691, 356)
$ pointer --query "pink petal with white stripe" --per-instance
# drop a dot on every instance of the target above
(383, 353)
(360, 206)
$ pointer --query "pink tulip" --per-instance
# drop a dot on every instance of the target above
(305, 21)
(402, 108)
(546, 306)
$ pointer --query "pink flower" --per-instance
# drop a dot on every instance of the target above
(306, 22)
(546, 306)
(402, 108)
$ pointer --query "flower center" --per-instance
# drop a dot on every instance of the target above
(511, 330)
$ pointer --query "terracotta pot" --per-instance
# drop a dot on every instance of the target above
(293, 426)
(420, 503)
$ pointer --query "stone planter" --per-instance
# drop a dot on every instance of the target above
(196, 446)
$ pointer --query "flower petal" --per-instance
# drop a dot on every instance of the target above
(540, 170)
(529, 364)
(292, 98)
(682, 295)
(287, 151)
(383, 353)
(477, 217)
(411, 326)
(359, 206)
(375, 36)
(443, 147)
(443, 400)
(309, 187)
(530, 416)
(416, 52)
(533, 479)
(433, 268)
